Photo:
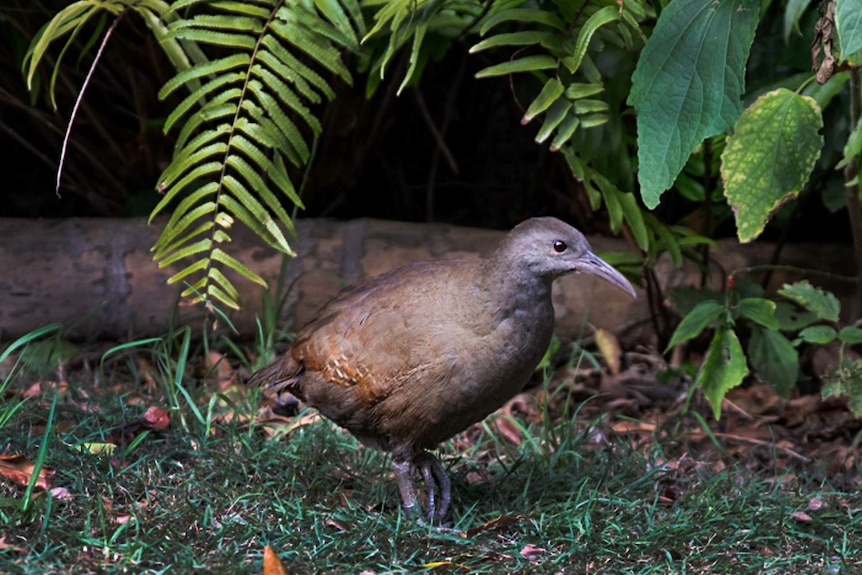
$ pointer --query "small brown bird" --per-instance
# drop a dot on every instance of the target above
(409, 358)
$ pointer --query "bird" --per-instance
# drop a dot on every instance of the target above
(409, 358)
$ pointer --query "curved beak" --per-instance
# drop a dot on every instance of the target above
(590, 263)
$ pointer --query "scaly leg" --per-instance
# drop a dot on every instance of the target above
(436, 479)
(404, 478)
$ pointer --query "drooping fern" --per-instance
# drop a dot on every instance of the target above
(249, 118)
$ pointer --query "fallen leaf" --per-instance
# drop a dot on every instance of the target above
(156, 418)
(801, 516)
(61, 494)
(335, 523)
(272, 565)
(96, 448)
(609, 346)
(531, 552)
(815, 503)
(18, 469)
(6, 546)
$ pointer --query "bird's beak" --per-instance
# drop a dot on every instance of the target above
(593, 264)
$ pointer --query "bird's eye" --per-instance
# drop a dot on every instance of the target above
(560, 246)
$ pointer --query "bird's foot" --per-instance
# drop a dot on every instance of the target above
(436, 483)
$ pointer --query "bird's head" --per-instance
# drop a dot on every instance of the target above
(550, 248)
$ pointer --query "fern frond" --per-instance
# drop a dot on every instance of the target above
(247, 115)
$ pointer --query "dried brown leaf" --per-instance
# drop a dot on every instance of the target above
(19, 470)
(156, 418)
(272, 565)
(801, 516)
(609, 346)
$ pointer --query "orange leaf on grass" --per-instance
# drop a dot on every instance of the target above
(272, 565)
(18, 469)
(156, 418)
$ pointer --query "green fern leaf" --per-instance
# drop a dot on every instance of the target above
(523, 16)
(200, 95)
(234, 264)
(198, 72)
(220, 280)
(187, 251)
(597, 20)
(549, 40)
(525, 64)
(290, 64)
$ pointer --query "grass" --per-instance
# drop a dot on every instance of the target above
(207, 494)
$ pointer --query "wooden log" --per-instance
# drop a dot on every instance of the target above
(97, 277)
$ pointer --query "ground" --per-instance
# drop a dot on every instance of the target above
(123, 465)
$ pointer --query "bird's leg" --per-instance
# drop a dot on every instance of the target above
(404, 477)
(430, 488)
(435, 477)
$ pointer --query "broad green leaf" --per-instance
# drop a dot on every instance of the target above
(848, 20)
(724, 367)
(525, 64)
(769, 158)
(824, 93)
(850, 334)
(821, 302)
(774, 359)
(759, 310)
(792, 318)
(688, 83)
(549, 94)
(853, 147)
(851, 386)
(820, 334)
(696, 321)
(792, 12)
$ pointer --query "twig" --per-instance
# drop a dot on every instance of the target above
(81, 96)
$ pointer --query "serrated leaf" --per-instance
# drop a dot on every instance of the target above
(822, 303)
(759, 310)
(851, 386)
(688, 83)
(724, 367)
(791, 318)
(848, 21)
(769, 157)
(774, 359)
(819, 334)
(525, 64)
(549, 94)
(696, 321)
(850, 334)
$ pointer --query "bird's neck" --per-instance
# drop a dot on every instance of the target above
(515, 290)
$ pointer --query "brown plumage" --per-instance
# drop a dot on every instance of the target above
(409, 358)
